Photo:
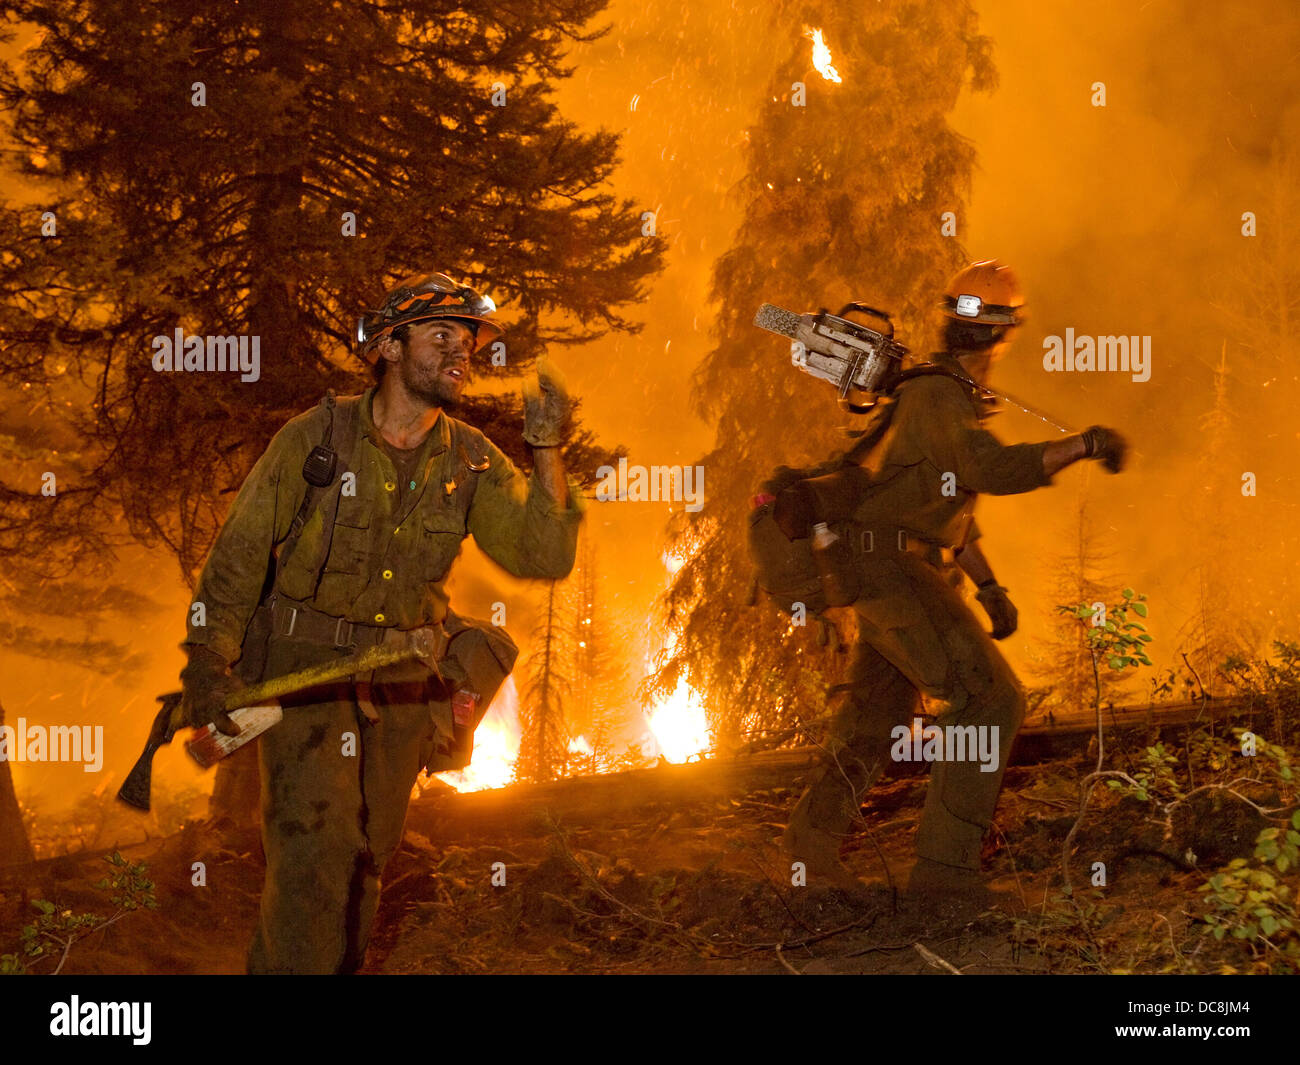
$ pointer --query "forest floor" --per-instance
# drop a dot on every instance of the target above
(700, 887)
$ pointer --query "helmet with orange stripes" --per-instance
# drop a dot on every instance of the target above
(421, 298)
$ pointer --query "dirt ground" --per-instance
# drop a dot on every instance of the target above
(698, 888)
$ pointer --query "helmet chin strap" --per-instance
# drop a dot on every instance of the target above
(974, 362)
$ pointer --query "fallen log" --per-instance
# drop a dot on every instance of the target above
(1158, 715)
(531, 808)
(606, 797)
(1049, 735)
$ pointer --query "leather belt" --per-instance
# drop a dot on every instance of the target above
(298, 621)
(891, 538)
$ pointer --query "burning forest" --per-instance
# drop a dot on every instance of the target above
(609, 489)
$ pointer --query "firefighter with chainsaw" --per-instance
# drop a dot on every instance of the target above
(341, 539)
(907, 509)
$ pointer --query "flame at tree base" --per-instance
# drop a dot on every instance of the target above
(680, 726)
(677, 731)
(496, 746)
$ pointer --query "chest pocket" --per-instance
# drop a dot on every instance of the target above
(350, 542)
(441, 534)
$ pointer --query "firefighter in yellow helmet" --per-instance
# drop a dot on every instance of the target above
(913, 536)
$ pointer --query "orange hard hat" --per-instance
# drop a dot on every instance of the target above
(985, 291)
(423, 297)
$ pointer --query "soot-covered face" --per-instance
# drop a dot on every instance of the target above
(435, 360)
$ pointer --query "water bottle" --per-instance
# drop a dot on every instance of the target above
(835, 566)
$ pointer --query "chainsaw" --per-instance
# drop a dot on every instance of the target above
(857, 359)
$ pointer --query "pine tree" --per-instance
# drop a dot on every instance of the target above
(42, 633)
(1082, 573)
(599, 676)
(44, 586)
(544, 743)
(1261, 300)
(1260, 307)
(276, 168)
(843, 199)
(1222, 622)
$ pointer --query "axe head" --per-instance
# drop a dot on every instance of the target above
(139, 782)
(135, 789)
(209, 745)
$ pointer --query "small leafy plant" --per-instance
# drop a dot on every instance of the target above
(1154, 779)
(1117, 640)
(54, 931)
(1112, 637)
(1251, 901)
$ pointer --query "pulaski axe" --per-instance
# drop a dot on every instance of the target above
(254, 710)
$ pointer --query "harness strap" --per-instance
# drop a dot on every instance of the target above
(310, 498)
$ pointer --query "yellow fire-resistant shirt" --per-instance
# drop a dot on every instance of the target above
(935, 432)
(386, 562)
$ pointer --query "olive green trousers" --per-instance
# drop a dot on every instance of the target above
(917, 635)
(335, 789)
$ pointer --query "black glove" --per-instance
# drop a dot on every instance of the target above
(206, 684)
(1001, 610)
(1106, 445)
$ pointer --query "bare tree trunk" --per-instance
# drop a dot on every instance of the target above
(272, 315)
(14, 845)
(545, 771)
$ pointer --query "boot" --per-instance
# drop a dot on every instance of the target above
(813, 836)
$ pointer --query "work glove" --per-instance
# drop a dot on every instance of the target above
(1001, 610)
(547, 407)
(206, 684)
(1106, 445)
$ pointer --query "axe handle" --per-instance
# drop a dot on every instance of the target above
(369, 660)
(420, 646)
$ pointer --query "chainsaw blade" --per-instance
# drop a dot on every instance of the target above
(777, 320)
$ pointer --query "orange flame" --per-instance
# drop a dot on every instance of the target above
(496, 745)
(821, 56)
(679, 725)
